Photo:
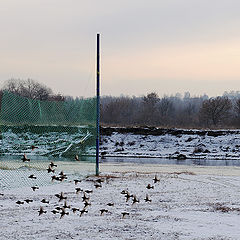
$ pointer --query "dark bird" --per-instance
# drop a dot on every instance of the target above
(99, 180)
(54, 211)
(28, 200)
(19, 202)
(128, 196)
(63, 212)
(147, 199)
(49, 169)
(41, 211)
(58, 208)
(25, 159)
(60, 196)
(32, 177)
(62, 178)
(82, 212)
(88, 191)
(62, 173)
(124, 214)
(155, 180)
(78, 190)
(75, 209)
(103, 211)
(84, 197)
(149, 186)
(55, 178)
(110, 204)
(1, 194)
(65, 205)
(103, 155)
(33, 147)
(97, 185)
(76, 158)
(34, 188)
(135, 200)
(124, 192)
(86, 204)
(76, 181)
(45, 201)
(52, 165)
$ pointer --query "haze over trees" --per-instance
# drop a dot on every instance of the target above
(172, 111)
(150, 110)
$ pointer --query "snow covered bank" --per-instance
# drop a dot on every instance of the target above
(200, 203)
(170, 143)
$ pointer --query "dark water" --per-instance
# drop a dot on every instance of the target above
(199, 162)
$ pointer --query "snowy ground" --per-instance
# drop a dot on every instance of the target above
(189, 202)
(193, 146)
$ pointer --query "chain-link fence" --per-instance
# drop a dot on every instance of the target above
(33, 133)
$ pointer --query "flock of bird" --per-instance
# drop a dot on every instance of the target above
(62, 208)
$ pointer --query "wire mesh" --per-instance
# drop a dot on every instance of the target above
(63, 131)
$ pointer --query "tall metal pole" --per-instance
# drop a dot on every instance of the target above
(98, 104)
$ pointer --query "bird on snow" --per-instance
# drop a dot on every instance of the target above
(63, 212)
(19, 202)
(78, 190)
(88, 191)
(155, 180)
(32, 176)
(84, 197)
(149, 186)
(135, 200)
(147, 199)
(83, 211)
(86, 204)
(41, 211)
(52, 165)
(97, 185)
(44, 201)
(49, 169)
(54, 211)
(28, 200)
(34, 188)
(110, 204)
(128, 196)
(103, 211)
(75, 209)
(99, 180)
(76, 181)
(60, 196)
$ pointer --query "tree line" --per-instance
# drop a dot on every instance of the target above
(149, 110)
(172, 111)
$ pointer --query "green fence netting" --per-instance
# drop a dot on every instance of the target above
(45, 131)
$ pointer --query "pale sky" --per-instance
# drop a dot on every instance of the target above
(165, 46)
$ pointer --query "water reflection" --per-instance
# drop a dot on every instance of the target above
(199, 162)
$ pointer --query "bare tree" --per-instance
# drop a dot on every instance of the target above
(28, 88)
(149, 108)
(215, 110)
(237, 107)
